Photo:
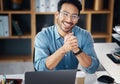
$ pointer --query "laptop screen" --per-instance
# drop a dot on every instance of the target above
(51, 77)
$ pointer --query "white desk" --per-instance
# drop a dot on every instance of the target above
(101, 50)
(91, 78)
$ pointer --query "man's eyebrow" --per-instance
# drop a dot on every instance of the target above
(69, 13)
(75, 14)
(65, 11)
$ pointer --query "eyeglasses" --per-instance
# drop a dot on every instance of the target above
(74, 17)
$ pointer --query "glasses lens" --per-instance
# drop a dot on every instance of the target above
(66, 15)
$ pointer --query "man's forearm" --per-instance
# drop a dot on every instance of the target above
(55, 58)
(84, 59)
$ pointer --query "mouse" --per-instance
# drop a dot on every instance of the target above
(105, 79)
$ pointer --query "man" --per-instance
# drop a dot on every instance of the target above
(65, 45)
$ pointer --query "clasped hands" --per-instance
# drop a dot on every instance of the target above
(70, 43)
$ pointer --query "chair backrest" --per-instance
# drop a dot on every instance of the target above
(34, 59)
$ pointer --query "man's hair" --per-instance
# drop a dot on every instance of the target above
(76, 3)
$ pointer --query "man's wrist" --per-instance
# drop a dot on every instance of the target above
(76, 53)
(63, 50)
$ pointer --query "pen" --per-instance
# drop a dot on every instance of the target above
(4, 79)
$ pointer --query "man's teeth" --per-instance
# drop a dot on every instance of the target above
(66, 24)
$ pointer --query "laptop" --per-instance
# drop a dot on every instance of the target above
(51, 77)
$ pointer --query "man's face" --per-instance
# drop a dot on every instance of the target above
(67, 17)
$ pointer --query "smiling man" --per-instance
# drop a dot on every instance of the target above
(65, 45)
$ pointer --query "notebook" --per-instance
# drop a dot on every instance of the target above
(51, 77)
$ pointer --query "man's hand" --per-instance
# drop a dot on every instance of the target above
(70, 43)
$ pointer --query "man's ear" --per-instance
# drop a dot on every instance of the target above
(57, 14)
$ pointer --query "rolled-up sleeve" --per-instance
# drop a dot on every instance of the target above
(93, 67)
(88, 48)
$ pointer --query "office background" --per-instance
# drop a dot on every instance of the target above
(11, 58)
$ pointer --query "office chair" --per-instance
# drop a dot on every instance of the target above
(34, 59)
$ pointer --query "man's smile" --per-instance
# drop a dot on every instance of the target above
(67, 25)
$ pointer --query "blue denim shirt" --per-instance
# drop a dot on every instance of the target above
(48, 41)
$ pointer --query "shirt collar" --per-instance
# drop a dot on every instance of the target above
(57, 35)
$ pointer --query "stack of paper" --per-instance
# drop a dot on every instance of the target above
(117, 29)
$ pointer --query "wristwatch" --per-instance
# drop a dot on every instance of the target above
(80, 51)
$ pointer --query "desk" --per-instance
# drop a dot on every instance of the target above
(89, 78)
(101, 50)
(92, 78)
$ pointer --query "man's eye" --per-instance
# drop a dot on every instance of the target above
(66, 14)
(74, 16)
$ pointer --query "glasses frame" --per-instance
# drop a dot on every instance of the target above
(66, 14)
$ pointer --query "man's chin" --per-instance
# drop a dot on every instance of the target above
(67, 31)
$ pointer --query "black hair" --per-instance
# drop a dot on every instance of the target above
(76, 3)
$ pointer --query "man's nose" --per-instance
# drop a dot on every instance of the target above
(69, 18)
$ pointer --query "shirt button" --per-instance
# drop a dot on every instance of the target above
(65, 55)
